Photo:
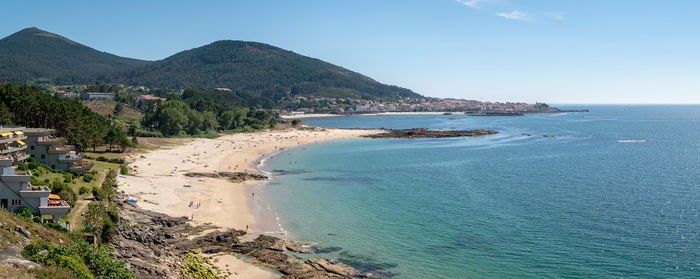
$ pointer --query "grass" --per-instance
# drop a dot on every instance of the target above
(106, 107)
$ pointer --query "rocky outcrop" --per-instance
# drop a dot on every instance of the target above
(268, 250)
(235, 176)
(152, 245)
(13, 256)
(425, 133)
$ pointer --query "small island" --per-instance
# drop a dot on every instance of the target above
(425, 133)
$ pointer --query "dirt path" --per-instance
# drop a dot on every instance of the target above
(81, 205)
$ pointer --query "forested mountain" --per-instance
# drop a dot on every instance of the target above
(33, 55)
(261, 68)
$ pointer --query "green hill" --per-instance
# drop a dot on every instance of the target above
(264, 69)
(33, 55)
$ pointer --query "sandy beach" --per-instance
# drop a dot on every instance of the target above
(159, 183)
(378, 113)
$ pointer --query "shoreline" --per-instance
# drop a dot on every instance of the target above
(312, 115)
(158, 182)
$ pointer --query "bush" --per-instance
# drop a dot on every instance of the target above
(36, 219)
(83, 190)
(113, 213)
(97, 193)
(67, 177)
(24, 212)
(107, 230)
(55, 226)
(82, 260)
(108, 160)
(123, 169)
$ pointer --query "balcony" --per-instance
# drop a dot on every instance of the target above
(82, 166)
(51, 141)
(60, 149)
(54, 207)
(12, 138)
(20, 157)
(68, 158)
(32, 191)
(11, 149)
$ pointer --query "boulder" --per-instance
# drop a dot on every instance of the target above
(19, 262)
(22, 230)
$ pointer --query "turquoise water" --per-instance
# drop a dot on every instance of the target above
(615, 195)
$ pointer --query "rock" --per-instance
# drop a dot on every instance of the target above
(10, 252)
(22, 230)
(19, 262)
(337, 268)
(235, 176)
(425, 133)
(295, 247)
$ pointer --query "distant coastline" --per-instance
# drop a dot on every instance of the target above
(470, 113)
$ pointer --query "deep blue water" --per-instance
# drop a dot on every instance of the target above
(593, 202)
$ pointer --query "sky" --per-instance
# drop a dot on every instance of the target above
(561, 52)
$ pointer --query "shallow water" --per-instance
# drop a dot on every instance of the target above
(614, 194)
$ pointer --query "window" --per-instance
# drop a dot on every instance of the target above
(43, 156)
(31, 147)
(16, 202)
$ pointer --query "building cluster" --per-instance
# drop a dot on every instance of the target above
(16, 190)
(352, 105)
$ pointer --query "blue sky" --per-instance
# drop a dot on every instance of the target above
(497, 50)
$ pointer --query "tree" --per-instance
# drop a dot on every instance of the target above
(118, 108)
(226, 119)
(113, 136)
(124, 142)
(93, 218)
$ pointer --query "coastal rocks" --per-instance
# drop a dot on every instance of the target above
(297, 248)
(268, 250)
(331, 266)
(153, 244)
(234, 176)
(425, 133)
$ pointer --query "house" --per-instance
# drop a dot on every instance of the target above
(147, 97)
(97, 95)
(15, 189)
(12, 143)
(46, 148)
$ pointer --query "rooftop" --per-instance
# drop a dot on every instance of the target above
(39, 131)
(10, 128)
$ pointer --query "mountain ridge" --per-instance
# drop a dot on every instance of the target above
(33, 54)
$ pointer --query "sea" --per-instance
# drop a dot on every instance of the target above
(610, 193)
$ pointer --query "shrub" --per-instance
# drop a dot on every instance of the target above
(123, 169)
(36, 219)
(82, 260)
(24, 212)
(83, 190)
(67, 177)
(108, 160)
(107, 230)
(97, 193)
(113, 213)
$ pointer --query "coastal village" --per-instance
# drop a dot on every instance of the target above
(315, 104)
